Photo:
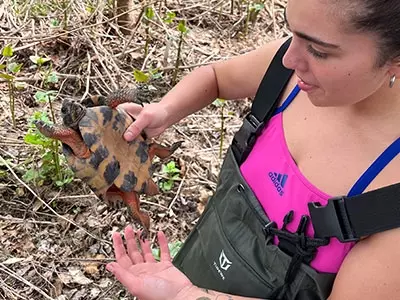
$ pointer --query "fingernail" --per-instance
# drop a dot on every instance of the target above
(129, 136)
(110, 267)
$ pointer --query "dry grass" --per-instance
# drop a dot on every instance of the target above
(56, 241)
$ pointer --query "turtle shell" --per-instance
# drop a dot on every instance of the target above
(114, 160)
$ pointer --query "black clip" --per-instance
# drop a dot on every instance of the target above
(332, 220)
(245, 137)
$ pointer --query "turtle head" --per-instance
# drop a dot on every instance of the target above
(72, 113)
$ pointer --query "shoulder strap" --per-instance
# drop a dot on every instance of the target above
(264, 104)
(350, 218)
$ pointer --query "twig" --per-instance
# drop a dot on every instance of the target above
(49, 207)
(9, 272)
(10, 289)
(87, 78)
(179, 190)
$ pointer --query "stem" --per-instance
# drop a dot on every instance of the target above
(146, 45)
(246, 26)
(177, 60)
(56, 158)
(221, 140)
(232, 6)
(55, 145)
(65, 5)
(12, 101)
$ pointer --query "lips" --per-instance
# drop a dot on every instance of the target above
(304, 85)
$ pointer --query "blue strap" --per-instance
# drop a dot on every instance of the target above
(288, 100)
(376, 167)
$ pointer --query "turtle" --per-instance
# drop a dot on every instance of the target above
(91, 134)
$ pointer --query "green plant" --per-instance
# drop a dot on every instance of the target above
(49, 168)
(221, 104)
(10, 70)
(146, 77)
(170, 17)
(253, 9)
(172, 174)
(148, 15)
(173, 249)
(183, 31)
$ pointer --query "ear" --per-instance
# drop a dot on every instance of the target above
(394, 67)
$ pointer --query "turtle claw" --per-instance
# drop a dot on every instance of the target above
(144, 234)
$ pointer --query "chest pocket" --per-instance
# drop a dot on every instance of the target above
(229, 251)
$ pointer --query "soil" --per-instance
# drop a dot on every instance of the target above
(55, 241)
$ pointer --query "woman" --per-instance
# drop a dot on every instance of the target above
(338, 113)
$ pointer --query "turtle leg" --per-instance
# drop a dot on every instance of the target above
(162, 151)
(113, 197)
(131, 200)
(66, 135)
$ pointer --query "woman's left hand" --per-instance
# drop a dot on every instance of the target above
(141, 274)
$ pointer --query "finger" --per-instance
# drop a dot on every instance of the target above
(133, 251)
(164, 249)
(146, 249)
(136, 128)
(119, 249)
(129, 280)
(131, 108)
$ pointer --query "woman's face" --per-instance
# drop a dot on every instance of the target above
(335, 66)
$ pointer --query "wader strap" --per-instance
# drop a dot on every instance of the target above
(350, 218)
(264, 104)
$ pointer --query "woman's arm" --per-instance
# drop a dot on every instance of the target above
(235, 78)
(371, 270)
(195, 293)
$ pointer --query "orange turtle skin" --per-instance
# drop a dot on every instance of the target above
(93, 143)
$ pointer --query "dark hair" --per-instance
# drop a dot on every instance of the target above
(382, 18)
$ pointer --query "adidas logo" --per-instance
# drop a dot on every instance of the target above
(279, 181)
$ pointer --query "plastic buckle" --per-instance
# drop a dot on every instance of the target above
(245, 137)
(332, 220)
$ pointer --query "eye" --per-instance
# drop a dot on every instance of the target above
(316, 53)
(63, 110)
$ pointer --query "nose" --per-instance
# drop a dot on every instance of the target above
(295, 59)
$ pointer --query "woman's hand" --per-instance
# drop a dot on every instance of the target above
(141, 274)
(152, 118)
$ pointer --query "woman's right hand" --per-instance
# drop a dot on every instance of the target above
(152, 118)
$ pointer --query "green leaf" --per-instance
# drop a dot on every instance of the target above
(2, 67)
(6, 76)
(19, 85)
(219, 102)
(44, 97)
(149, 13)
(257, 6)
(167, 185)
(140, 76)
(52, 78)
(170, 17)
(54, 23)
(38, 60)
(14, 67)
(175, 247)
(8, 51)
(90, 9)
(182, 27)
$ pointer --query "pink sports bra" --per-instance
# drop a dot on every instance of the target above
(280, 187)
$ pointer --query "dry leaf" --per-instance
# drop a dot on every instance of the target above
(74, 276)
